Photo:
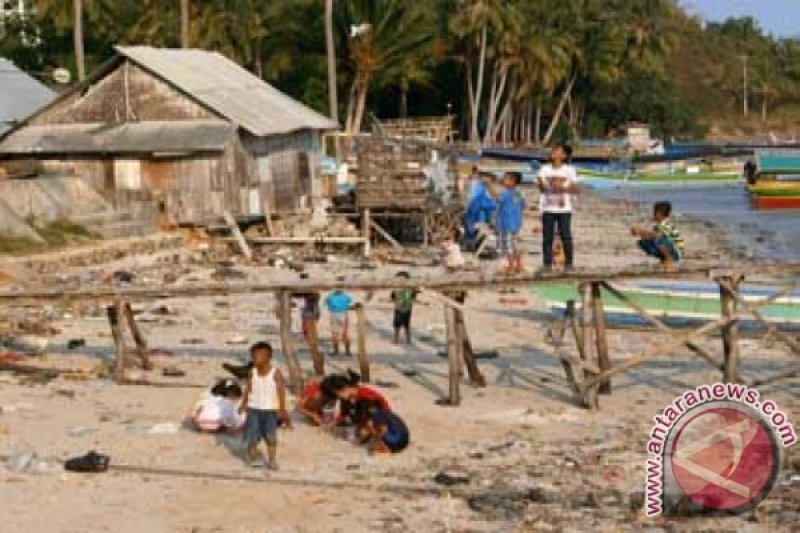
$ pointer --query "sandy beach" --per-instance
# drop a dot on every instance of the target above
(530, 458)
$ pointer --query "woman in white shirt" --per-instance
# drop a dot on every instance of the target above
(557, 182)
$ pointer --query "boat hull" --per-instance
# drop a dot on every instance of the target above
(776, 202)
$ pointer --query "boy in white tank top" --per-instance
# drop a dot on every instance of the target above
(265, 402)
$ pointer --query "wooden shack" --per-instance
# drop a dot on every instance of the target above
(186, 133)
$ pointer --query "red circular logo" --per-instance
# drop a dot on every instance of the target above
(724, 458)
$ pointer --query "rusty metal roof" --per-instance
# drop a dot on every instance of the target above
(228, 89)
(153, 137)
(20, 94)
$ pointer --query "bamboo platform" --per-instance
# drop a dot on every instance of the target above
(588, 375)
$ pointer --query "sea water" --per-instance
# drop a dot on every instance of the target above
(767, 234)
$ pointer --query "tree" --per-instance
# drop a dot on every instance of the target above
(333, 99)
(380, 34)
(184, 23)
(80, 61)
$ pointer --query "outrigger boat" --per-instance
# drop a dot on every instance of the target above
(777, 184)
(678, 303)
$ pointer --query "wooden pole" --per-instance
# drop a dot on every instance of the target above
(361, 343)
(385, 234)
(473, 370)
(284, 309)
(114, 312)
(237, 234)
(730, 332)
(454, 396)
(366, 231)
(141, 343)
(600, 339)
(569, 318)
(696, 348)
(590, 391)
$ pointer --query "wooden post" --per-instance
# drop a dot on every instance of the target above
(600, 339)
(730, 332)
(589, 394)
(284, 309)
(454, 396)
(237, 234)
(366, 231)
(141, 343)
(267, 207)
(569, 318)
(425, 230)
(114, 312)
(361, 343)
(468, 355)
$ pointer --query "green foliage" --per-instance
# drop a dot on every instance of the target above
(630, 60)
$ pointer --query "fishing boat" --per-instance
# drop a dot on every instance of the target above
(777, 184)
(678, 304)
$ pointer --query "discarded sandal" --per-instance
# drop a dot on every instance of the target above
(91, 462)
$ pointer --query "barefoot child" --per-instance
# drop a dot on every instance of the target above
(663, 241)
(386, 431)
(558, 182)
(403, 304)
(265, 402)
(339, 303)
(510, 206)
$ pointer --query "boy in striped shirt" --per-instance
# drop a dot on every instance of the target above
(663, 241)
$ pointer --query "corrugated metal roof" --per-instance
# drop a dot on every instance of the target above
(20, 94)
(228, 89)
(130, 137)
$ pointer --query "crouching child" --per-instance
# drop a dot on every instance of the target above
(384, 431)
(265, 404)
(663, 241)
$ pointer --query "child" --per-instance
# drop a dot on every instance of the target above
(309, 315)
(265, 402)
(510, 206)
(403, 304)
(451, 252)
(339, 304)
(349, 392)
(557, 182)
(218, 411)
(386, 431)
(316, 398)
(664, 241)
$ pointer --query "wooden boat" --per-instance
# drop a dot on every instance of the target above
(778, 181)
(679, 303)
(776, 202)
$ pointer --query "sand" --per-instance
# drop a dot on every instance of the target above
(535, 461)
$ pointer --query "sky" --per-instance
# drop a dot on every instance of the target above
(779, 17)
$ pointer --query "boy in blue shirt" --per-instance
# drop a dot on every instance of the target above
(510, 206)
(339, 304)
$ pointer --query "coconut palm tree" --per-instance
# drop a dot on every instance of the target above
(184, 23)
(77, 36)
(380, 35)
(330, 48)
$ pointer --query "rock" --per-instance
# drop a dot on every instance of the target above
(72, 344)
(452, 475)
